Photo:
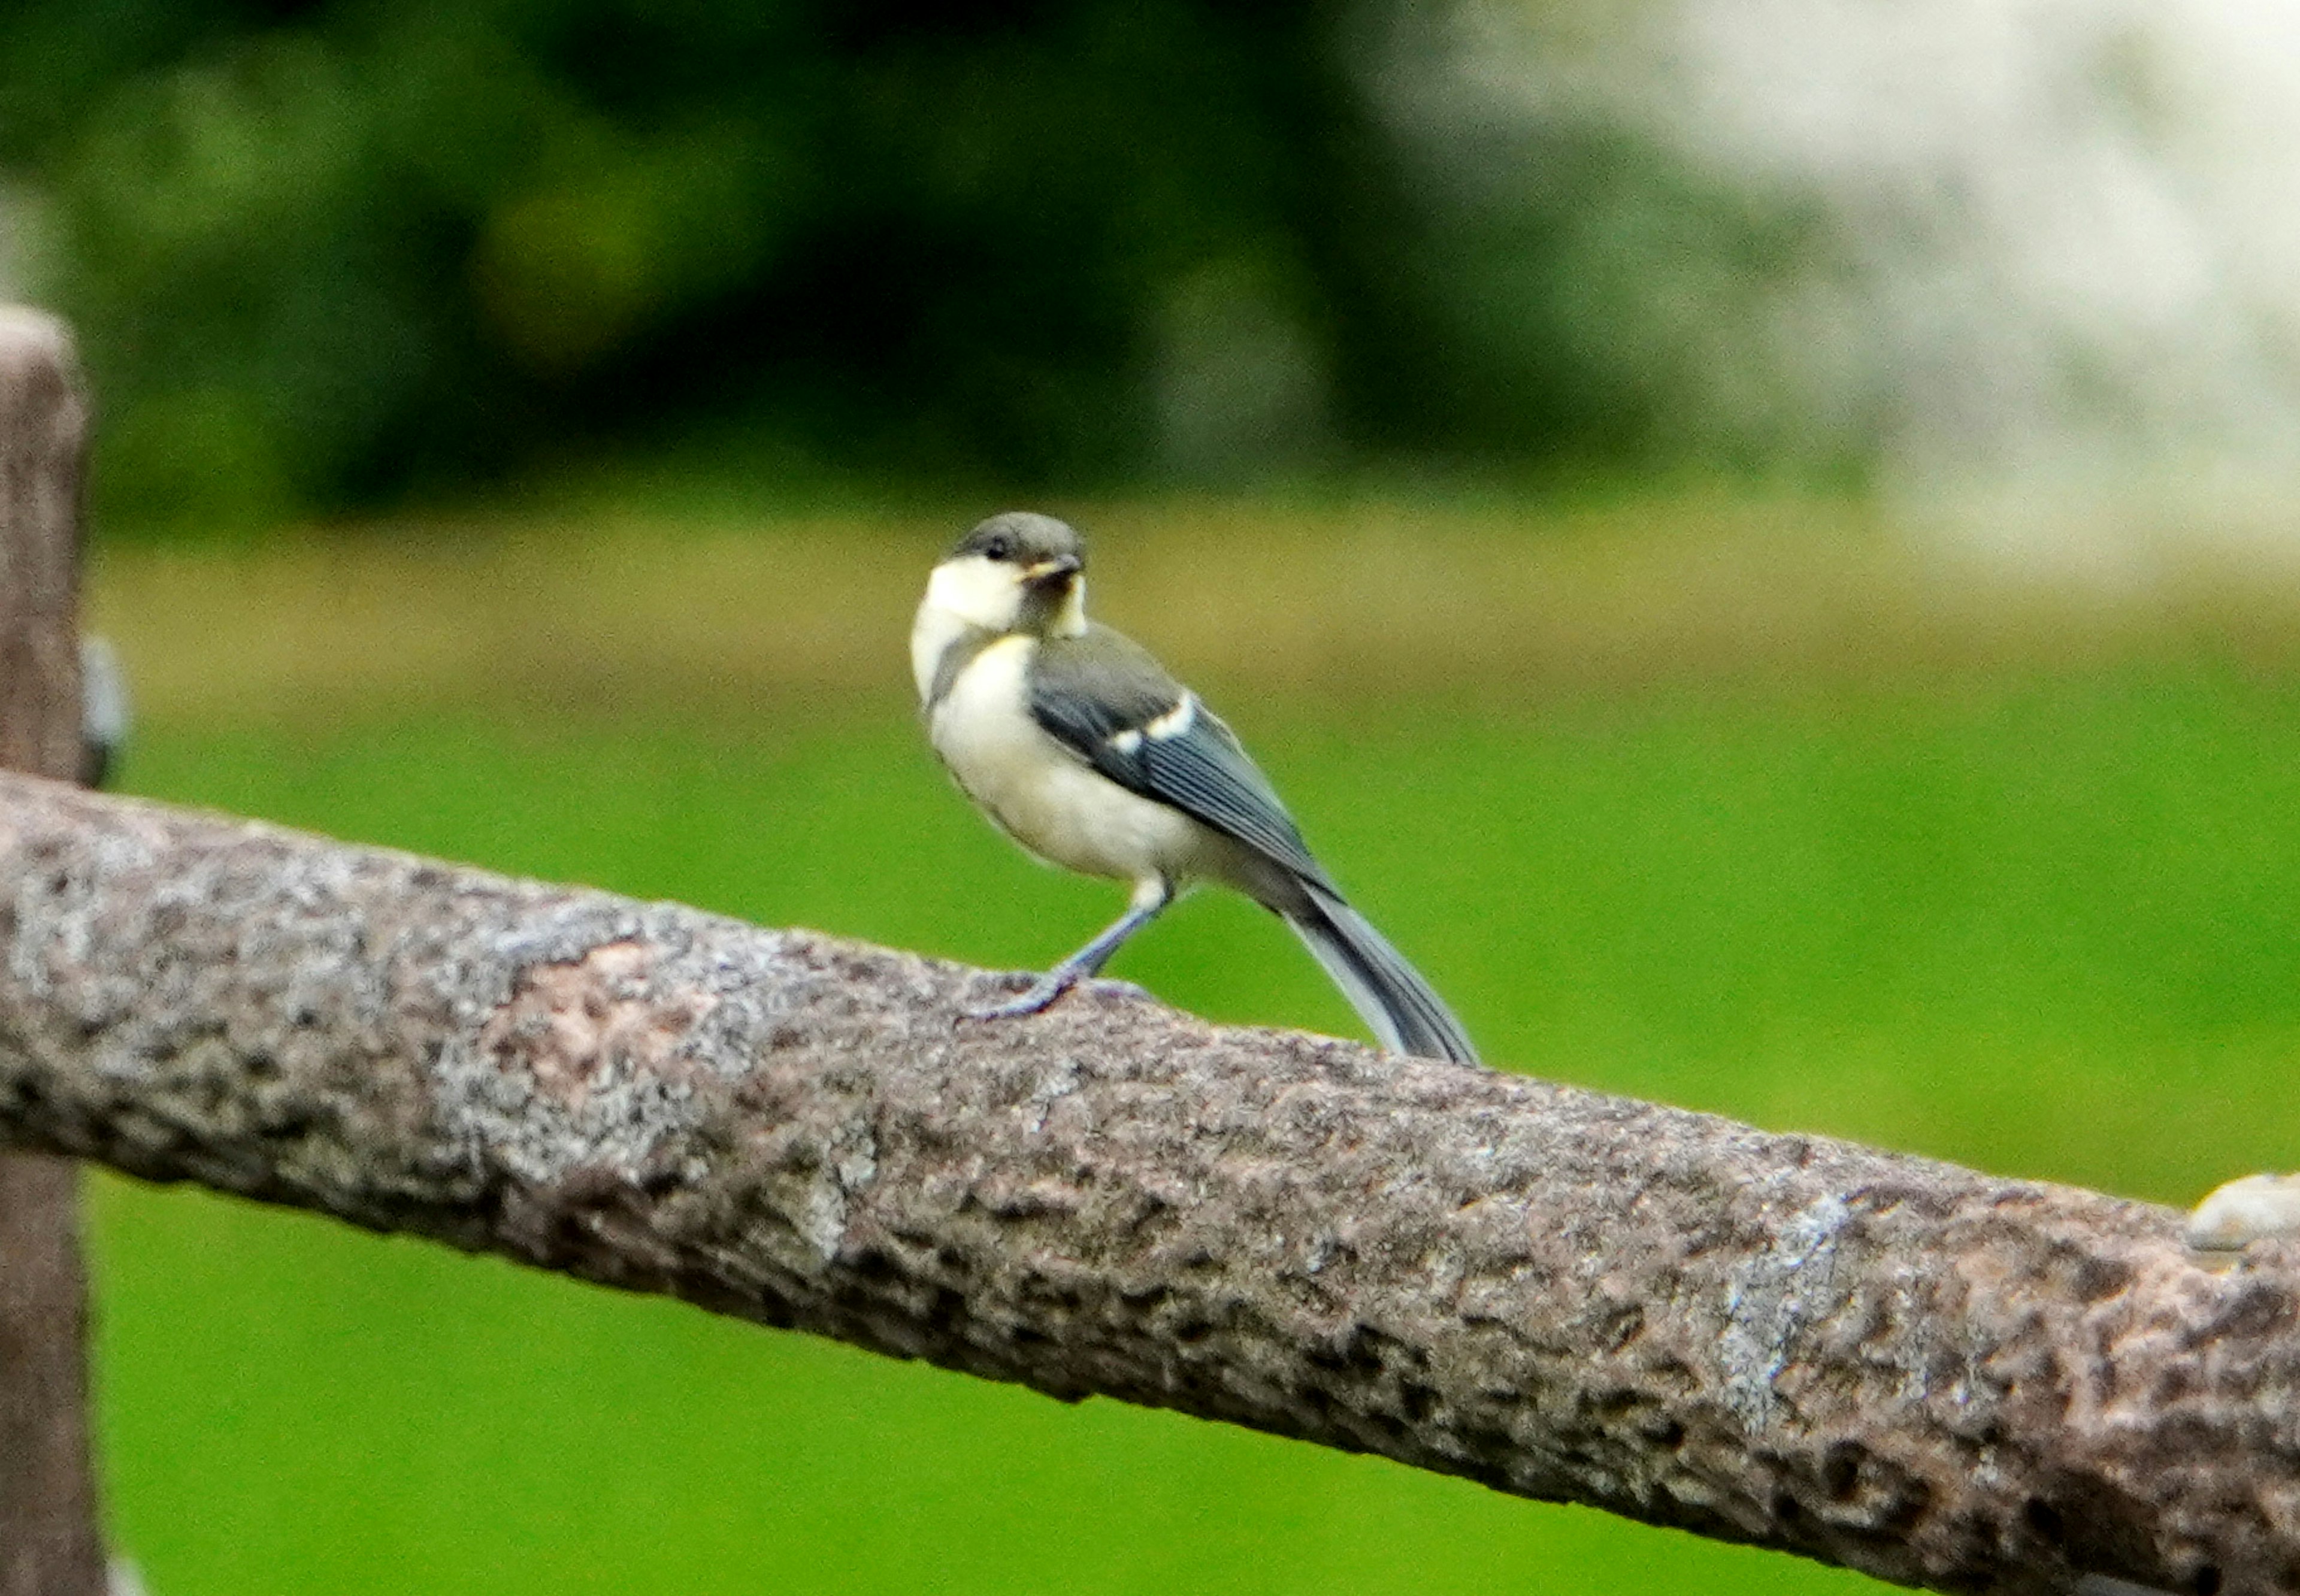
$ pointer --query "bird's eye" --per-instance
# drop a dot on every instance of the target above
(999, 548)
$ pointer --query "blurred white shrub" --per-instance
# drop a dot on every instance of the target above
(2035, 241)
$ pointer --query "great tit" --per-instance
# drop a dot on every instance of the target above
(1079, 746)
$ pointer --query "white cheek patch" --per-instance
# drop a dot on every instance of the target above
(980, 592)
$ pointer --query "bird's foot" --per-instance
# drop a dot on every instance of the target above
(1108, 989)
(1041, 997)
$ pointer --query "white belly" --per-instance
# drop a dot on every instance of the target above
(1043, 795)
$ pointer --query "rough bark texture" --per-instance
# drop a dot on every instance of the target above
(49, 1544)
(43, 434)
(1934, 1376)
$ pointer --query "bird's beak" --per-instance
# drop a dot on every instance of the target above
(1052, 573)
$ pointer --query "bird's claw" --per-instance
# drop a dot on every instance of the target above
(1041, 996)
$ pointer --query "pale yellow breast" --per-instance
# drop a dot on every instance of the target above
(1040, 794)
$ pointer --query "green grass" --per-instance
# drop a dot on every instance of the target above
(2049, 926)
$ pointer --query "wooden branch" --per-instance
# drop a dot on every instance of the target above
(49, 1540)
(1937, 1376)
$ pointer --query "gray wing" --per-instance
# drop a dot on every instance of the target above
(1106, 700)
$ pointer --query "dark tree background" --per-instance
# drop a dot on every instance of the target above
(324, 255)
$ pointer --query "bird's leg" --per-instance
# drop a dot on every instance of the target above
(1149, 901)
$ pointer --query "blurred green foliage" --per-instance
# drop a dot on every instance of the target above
(322, 254)
(2043, 925)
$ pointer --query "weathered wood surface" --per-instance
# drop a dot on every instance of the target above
(1905, 1367)
(49, 1543)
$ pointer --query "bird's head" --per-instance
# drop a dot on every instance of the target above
(1016, 572)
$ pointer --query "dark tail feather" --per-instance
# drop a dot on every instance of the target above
(1388, 993)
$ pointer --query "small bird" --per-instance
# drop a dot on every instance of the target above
(1079, 746)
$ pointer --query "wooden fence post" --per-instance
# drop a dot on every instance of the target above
(50, 1543)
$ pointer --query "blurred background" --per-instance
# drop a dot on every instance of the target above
(1804, 489)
